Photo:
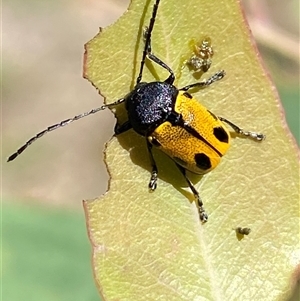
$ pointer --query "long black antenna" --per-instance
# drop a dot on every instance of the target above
(148, 40)
(93, 111)
(59, 125)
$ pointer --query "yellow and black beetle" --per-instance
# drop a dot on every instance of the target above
(171, 120)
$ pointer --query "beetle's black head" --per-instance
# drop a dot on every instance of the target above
(149, 105)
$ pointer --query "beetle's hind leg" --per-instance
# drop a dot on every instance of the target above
(202, 214)
(240, 131)
(216, 77)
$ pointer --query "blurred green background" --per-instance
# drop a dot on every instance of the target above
(46, 254)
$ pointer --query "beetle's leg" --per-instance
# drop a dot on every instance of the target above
(217, 76)
(171, 78)
(154, 58)
(119, 129)
(202, 214)
(240, 131)
(154, 173)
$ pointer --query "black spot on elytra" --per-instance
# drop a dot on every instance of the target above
(202, 161)
(220, 134)
(188, 95)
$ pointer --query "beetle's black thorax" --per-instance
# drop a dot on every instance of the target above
(149, 105)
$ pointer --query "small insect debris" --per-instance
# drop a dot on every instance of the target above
(201, 60)
(242, 231)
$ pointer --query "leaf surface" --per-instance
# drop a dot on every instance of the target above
(151, 246)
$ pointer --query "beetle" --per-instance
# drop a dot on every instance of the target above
(170, 119)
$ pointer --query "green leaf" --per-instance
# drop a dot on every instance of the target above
(151, 246)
